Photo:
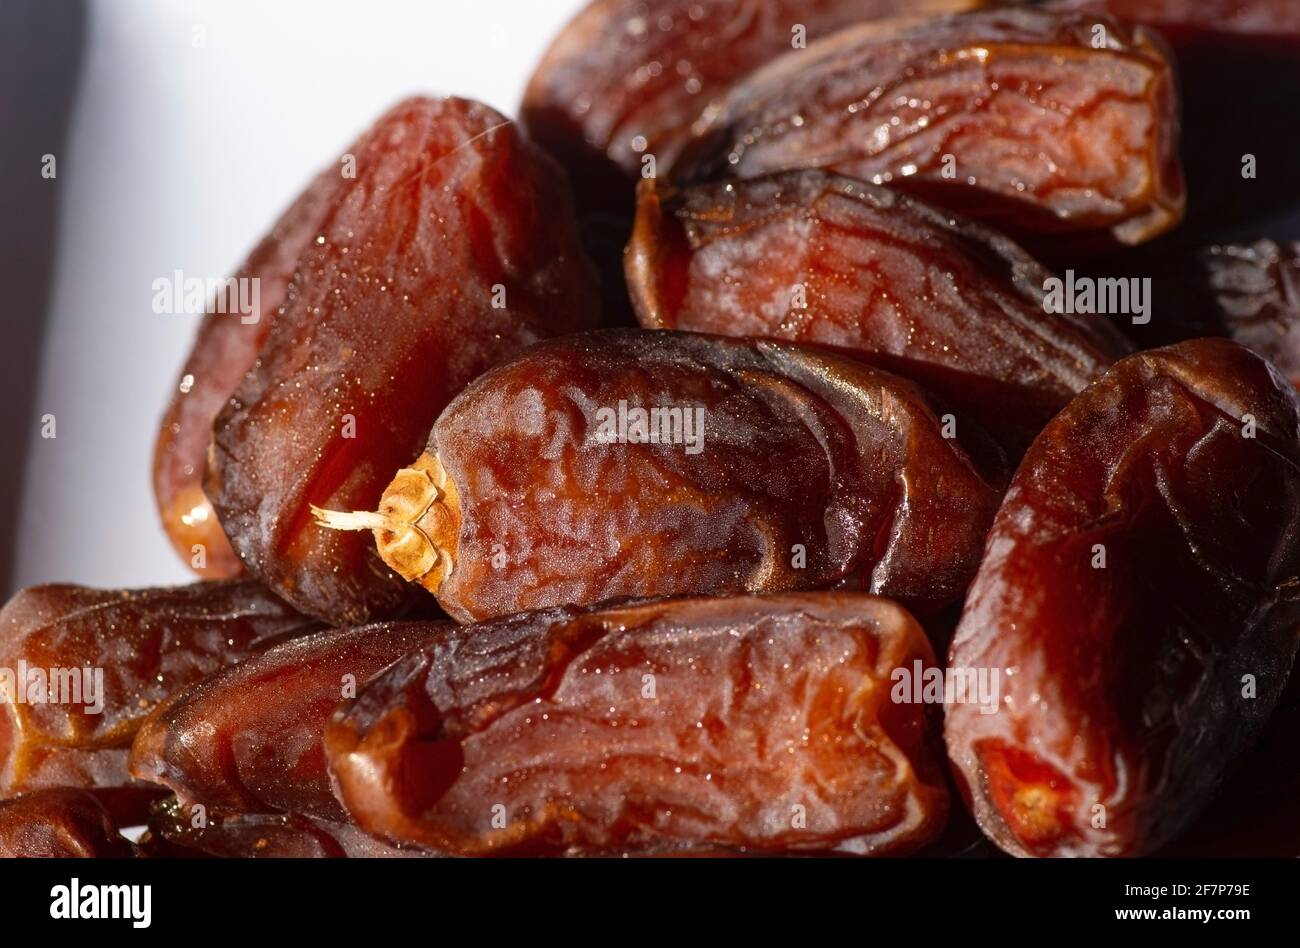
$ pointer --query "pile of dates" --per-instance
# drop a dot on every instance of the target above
(846, 426)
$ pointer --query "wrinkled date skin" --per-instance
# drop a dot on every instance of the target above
(175, 833)
(1255, 295)
(453, 248)
(787, 468)
(761, 723)
(1144, 562)
(248, 739)
(627, 78)
(1011, 117)
(147, 643)
(59, 823)
(1237, 61)
(224, 350)
(819, 258)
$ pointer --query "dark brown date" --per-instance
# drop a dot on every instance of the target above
(1254, 298)
(453, 248)
(1012, 117)
(59, 823)
(626, 78)
(248, 739)
(88, 665)
(224, 350)
(177, 831)
(1139, 599)
(1256, 815)
(762, 723)
(783, 468)
(819, 258)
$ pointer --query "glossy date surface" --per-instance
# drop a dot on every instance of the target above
(761, 723)
(453, 248)
(1012, 117)
(59, 823)
(248, 739)
(783, 468)
(90, 664)
(626, 78)
(1139, 598)
(820, 258)
(225, 348)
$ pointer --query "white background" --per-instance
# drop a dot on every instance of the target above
(181, 158)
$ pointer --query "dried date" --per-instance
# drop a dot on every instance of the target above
(625, 79)
(820, 258)
(225, 348)
(59, 823)
(1237, 60)
(248, 739)
(762, 723)
(84, 667)
(636, 463)
(1138, 599)
(1012, 117)
(453, 248)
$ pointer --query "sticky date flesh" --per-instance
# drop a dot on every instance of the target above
(820, 258)
(453, 248)
(759, 723)
(248, 739)
(1144, 562)
(1009, 116)
(788, 468)
(148, 644)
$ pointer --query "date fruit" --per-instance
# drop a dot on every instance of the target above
(248, 739)
(59, 823)
(452, 249)
(1238, 61)
(820, 258)
(1012, 117)
(635, 463)
(1139, 599)
(225, 348)
(762, 723)
(83, 668)
(626, 78)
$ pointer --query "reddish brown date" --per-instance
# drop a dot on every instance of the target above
(819, 258)
(224, 350)
(626, 78)
(453, 248)
(1012, 117)
(783, 468)
(1139, 599)
(248, 739)
(761, 723)
(1237, 61)
(59, 823)
(177, 831)
(88, 665)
